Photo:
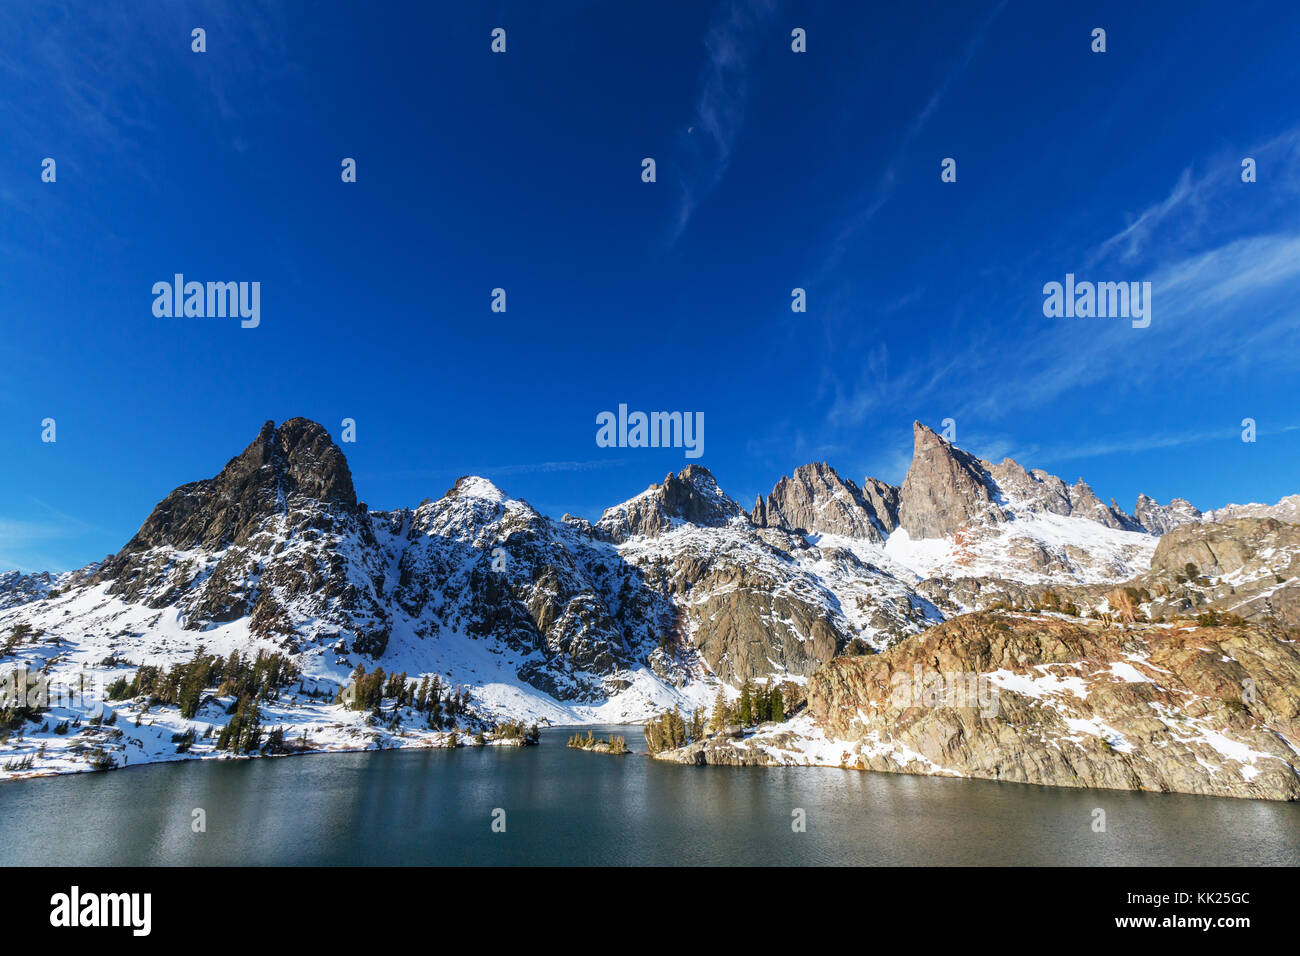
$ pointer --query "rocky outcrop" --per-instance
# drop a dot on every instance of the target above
(691, 496)
(1287, 509)
(296, 462)
(1228, 547)
(945, 490)
(719, 751)
(18, 588)
(1246, 567)
(883, 499)
(745, 605)
(1209, 710)
(277, 536)
(1159, 519)
(818, 501)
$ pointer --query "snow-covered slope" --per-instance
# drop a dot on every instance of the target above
(1028, 547)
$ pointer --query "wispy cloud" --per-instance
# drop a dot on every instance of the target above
(1037, 455)
(1134, 235)
(1231, 306)
(1196, 205)
(874, 199)
(1224, 305)
(77, 74)
(720, 106)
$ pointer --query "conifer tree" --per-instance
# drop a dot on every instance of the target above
(721, 714)
(746, 703)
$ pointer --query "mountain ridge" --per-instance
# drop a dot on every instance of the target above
(668, 597)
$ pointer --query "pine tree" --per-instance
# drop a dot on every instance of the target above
(746, 704)
(721, 715)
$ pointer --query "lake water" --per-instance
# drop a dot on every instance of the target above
(571, 807)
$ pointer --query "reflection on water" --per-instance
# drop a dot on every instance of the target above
(570, 807)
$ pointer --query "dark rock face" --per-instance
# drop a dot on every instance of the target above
(691, 496)
(751, 620)
(299, 460)
(818, 501)
(279, 526)
(945, 490)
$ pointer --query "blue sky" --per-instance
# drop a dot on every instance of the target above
(522, 171)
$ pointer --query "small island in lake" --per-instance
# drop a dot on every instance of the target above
(614, 745)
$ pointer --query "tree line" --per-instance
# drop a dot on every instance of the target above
(440, 704)
(757, 704)
(184, 685)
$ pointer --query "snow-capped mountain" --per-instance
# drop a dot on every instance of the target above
(1287, 509)
(666, 596)
(1161, 519)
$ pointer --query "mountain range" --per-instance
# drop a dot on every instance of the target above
(665, 598)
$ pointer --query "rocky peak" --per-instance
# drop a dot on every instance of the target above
(294, 475)
(883, 499)
(297, 462)
(277, 536)
(818, 501)
(945, 489)
(1085, 503)
(306, 461)
(1031, 490)
(691, 496)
